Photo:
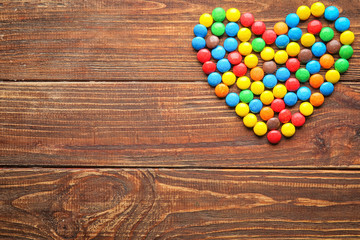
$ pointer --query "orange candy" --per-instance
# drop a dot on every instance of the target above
(316, 80)
(316, 99)
(221, 90)
(266, 113)
(257, 73)
(327, 61)
(281, 28)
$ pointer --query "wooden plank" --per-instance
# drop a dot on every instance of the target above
(161, 124)
(178, 204)
(123, 40)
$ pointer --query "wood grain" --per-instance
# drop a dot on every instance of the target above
(123, 40)
(156, 124)
(178, 204)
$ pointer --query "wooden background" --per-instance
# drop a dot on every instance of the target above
(108, 129)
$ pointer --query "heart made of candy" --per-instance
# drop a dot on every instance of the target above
(269, 91)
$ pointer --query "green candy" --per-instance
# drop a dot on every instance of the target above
(218, 14)
(246, 96)
(346, 51)
(258, 44)
(218, 28)
(326, 34)
(302, 75)
(341, 65)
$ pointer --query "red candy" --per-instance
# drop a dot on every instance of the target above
(269, 36)
(240, 70)
(247, 19)
(258, 27)
(274, 136)
(285, 115)
(292, 84)
(277, 105)
(298, 119)
(314, 27)
(293, 64)
(209, 67)
(204, 55)
(234, 58)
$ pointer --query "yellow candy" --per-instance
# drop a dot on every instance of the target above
(245, 48)
(267, 54)
(251, 61)
(228, 78)
(332, 76)
(244, 34)
(250, 120)
(307, 40)
(257, 87)
(347, 37)
(267, 97)
(306, 108)
(317, 9)
(303, 12)
(260, 128)
(242, 109)
(288, 129)
(233, 14)
(293, 49)
(243, 82)
(206, 20)
(281, 57)
(279, 91)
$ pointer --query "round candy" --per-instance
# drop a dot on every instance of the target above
(293, 64)
(257, 87)
(342, 24)
(307, 40)
(270, 81)
(232, 29)
(247, 19)
(218, 14)
(267, 53)
(273, 123)
(302, 75)
(316, 99)
(255, 105)
(230, 44)
(279, 91)
(274, 136)
(292, 84)
(281, 57)
(314, 27)
(233, 15)
(258, 44)
(326, 34)
(246, 96)
(347, 37)
(245, 48)
(234, 58)
(267, 97)
(290, 99)
(293, 49)
(240, 69)
(288, 129)
(250, 120)
(212, 41)
(244, 34)
(218, 28)
(292, 20)
(221, 90)
(318, 49)
(342, 65)
(316, 80)
(297, 119)
(257, 74)
(295, 34)
(269, 36)
(223, 65)
(209, 67)
(242, 109)
(303, 93)
(232, 99)
(285, 116)
(282, 41)
(280, 28)
(269, 67)
(306, 109)
(303, 12)
(251, 60)
(214, 79)
(260, 129)
(200, 30)
(346, 51)
(206, 20)
(327, 88)
(332, 76)
(327, 61)
(331, 13)
(243, 82)
(305, 55)
(228, 78)
(317, 9)
(218, 53)
(266, 113)
(258, 27)
(313, 66)
(198, 43)
(282, 74)
(333, 46)
(203, 55)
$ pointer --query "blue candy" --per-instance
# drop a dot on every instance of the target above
(327, 88)
(255, 105)
(342, 24)
(290, 99)
(313, 66)
(270, 81)
(295, 34)
(331, 13)
(282, 74)
(318, 49)
(200, 30)
(282, 41)
(292, 20)
(303, 93)
(232, 29)
(214, 79)
(198, 43)
(218, 53)
(230, 44)
(232, 99)
(223, 65)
